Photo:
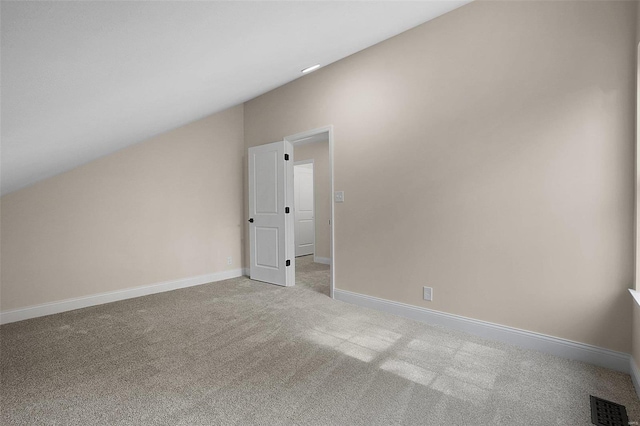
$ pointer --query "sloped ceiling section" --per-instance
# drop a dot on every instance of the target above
(80, 80)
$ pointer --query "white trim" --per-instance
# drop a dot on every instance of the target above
(112, 296)
(246, 272)
(614, 360)
(307, 137)
(315, 136)
(635, 375)
(635, 294)
(289, 199)
(323, 260)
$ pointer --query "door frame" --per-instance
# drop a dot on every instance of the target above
(308, 137)
(302, 163)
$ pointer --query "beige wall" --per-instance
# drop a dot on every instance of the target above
(319, 152)
(165, 209)
(637, 212)
(488, 154)
(635, 351)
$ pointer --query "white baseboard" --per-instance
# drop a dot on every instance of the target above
(635, 375)
(323, 260)
(112, 296)
(246, 272)
(618, 361)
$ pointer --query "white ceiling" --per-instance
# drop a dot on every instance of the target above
(83, 79)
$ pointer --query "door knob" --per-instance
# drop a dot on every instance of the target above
(251, 220)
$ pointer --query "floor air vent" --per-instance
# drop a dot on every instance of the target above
(607, 413)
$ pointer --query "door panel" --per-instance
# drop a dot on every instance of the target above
(266, 239)
(266, 181)
(269, 226)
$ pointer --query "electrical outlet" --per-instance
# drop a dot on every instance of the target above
(427, 293)
(229, 260)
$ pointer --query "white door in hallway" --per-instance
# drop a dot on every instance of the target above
(305, 227)
(271, 236)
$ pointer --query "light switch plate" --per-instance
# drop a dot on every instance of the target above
(339, 196)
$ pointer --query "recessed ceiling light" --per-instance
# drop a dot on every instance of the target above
(313, 68)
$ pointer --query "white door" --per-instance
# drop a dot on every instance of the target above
(270, 226)
(305, 225)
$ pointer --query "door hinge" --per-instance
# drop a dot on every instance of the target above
(286, 157)
(286, 210)
(288, 263)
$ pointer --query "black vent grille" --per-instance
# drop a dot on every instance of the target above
(607, 413)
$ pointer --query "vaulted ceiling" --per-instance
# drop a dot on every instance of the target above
(80, 80)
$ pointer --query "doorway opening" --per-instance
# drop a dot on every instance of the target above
(313, 190)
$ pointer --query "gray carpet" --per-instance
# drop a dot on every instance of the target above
(239, 352)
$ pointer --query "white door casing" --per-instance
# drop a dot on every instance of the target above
(271, 235)
(304, 209)
(309, 136)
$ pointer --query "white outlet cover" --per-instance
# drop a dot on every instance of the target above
(339, 196)
(427, 293)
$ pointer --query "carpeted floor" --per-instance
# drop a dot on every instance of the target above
(239, 352)
(311, 275)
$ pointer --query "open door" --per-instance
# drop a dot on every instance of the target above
(305, 224)
(271, 235)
